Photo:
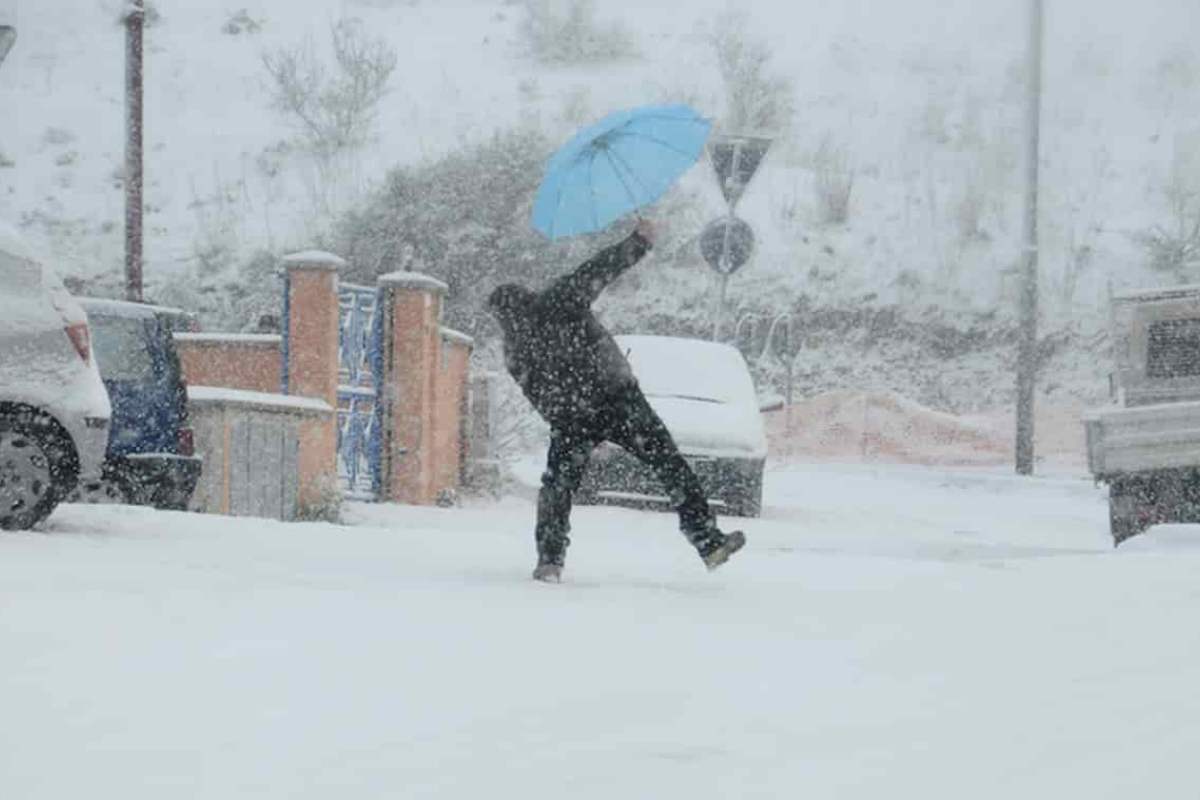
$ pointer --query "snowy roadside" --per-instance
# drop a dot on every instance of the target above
(889, 630)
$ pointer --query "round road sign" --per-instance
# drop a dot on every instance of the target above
(727, 244)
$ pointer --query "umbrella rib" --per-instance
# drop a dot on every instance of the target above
(614, 158)
(659, 142)
(592, 187)
(562, 195)
(557, 208)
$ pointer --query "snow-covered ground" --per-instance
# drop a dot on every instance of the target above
(891, 632)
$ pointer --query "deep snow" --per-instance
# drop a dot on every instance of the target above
(888, 632)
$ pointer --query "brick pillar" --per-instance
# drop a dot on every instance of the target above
(413, 303)
(450, 418)
(312, 366)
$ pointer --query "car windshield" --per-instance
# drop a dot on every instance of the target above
(120, 344)
(688, 369)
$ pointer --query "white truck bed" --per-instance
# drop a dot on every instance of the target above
(1141, 438)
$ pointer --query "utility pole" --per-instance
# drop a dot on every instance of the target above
(1028, 315)
(135, 20)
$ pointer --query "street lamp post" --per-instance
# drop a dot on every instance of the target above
(135, 19)
(1027, 334)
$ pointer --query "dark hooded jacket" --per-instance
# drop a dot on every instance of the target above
(560, 355)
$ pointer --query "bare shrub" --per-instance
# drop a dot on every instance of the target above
(334, 110)
(833, 181)
(755, 98)
(333, 107)
(969, 208)
(567, 32)
(1082, 224)
(240, 23)
(1173, 82)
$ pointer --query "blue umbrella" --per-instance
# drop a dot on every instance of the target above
(624, 162)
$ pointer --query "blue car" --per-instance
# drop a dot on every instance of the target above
(150, 458)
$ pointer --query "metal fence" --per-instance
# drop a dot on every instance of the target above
(360, 379)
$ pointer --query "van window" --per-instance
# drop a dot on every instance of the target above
(1174, 349)
(122, 347)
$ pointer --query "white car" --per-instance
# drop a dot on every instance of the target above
(704, 394)
(54, 411)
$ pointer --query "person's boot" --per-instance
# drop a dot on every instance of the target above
(721, 547)
(548, 572)
(549, 567)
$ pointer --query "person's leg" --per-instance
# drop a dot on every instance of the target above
(565, 465)
(637, 428)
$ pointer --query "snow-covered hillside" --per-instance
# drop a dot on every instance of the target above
(878, 83)
(922, 101)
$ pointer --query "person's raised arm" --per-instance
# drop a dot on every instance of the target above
(584, 285)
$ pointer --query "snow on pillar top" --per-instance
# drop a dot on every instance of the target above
(315, 260)
(413, 280)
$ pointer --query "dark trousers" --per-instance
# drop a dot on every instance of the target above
(628, 421)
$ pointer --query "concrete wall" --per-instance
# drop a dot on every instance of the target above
(251, 443)
(250, 362)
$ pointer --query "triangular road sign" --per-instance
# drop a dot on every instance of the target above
(735, 159)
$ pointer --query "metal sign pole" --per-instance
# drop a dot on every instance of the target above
(719, 323)
(716, 337)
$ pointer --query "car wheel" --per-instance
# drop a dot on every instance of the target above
(101, 492)
(169, 498)
(1137, 501)
(36, 470)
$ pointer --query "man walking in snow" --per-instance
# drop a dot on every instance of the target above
(576, 377)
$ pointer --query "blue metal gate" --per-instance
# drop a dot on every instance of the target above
(360, 385)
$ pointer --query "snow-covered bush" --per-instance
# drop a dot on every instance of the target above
(463, 219)
(756, 99)
(568, 32)
(327, 507)
(1172, 246)
(237, 299)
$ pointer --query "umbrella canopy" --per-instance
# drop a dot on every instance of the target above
(624, 162)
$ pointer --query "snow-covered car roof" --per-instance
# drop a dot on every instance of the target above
(124, 308)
